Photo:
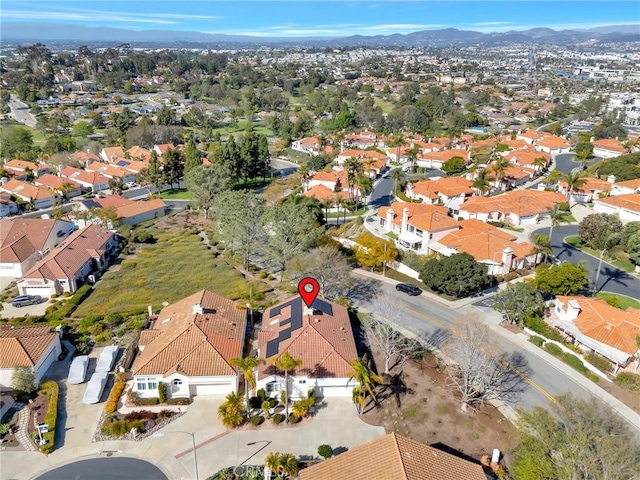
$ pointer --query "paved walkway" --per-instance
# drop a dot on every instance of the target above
(23, 427)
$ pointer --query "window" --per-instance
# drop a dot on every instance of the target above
(273, 387)
(146, 383)
(302, 381)
(177, 381)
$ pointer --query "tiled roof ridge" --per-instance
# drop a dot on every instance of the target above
(398, 450)
(218, 337)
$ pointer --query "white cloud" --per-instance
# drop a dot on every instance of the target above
(491, 23)
(395, 27)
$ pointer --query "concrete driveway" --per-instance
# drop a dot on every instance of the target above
(9, 311)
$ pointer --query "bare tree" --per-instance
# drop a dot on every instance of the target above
(478, 371)
(383, 332)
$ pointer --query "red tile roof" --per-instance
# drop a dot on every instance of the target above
(24, 346)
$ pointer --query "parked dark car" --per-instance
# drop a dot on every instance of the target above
(408, 289)
(25, 300)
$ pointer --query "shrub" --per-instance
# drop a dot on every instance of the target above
(51, 417)
(325, 451)
(66, 294)
(564, 207)
(262, 274)
(118, 427)
(537, 341)
(574, 362)
(510, 276)
(277, 418)
(599, 362)
(137, 424)
(553, 349)
(146, 402)
(162, 392)
(591, 376)
(628, 381)
(105, 428)
(256, 420)
(294, 419)
(179, 401)
(116, 393)
(538, 325)
(254, 402)
(140, 415)
(261, 394)
(54, 295)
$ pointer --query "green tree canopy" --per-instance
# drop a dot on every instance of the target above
(562, 279)
(16, 140)
(458, 275)
(596, 229)
(519, 301)
(205, 182)
(576, 439)
(454, 165)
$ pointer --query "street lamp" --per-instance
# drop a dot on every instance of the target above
(193, 442)
(266, 444)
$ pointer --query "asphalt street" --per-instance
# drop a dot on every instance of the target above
(432, 322)
(611, 279)
(116, 468)
(20, 111)
(565, 163)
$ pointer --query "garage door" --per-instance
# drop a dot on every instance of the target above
(211, 389)
(42, 291)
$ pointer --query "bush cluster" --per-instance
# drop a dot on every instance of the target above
(116, 393)
(277, 418)
(256, 420)
(537, 341)
(51, 417)
(65, 309)
(294, 419)
(146, 402)
(179, 401)
(553, 349)
(599, 362)
(571, 360)
(628, 381)
(162, 392)
(538, 325)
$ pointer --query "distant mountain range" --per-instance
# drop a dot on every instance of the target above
(22, 32)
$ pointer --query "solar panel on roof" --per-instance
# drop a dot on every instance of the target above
(324, 307)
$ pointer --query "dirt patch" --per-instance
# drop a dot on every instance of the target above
(630, 399)
(183, 220)
(417, 402)
(37, 411)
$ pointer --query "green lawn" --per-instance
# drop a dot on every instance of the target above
(181, 194)
(624, 302)
(177, 266)
(386, 106)
(340, 214)
(38, 137)
(258, 127)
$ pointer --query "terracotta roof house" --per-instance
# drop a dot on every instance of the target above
(321, 336)
(360, 155)
(515, 207)
(129, 212)
(34, 347)
(334, 180)
(596, 326)
(626, 207)
(623, 188)
(113, 170)
(139, 153)
(309, 145)
(69, 265)
(436, 159)
(528, 159)
(448, 191)
(20, 168)
(529, 136)
(608, 148)
(27, 192)
(189, 347)
(85, 158)
(512, 177)
(64, 186)
(416, 224)
(591, 190)
(489, 245)
(95, 181)
(394, 457)
(163, 147)
(24, 241)
(325, 194)
(110, 154)
(553, 145)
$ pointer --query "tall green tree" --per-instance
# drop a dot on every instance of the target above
(23, 380)
(173, 167)
(458, 275)
(574, 180)
(205, 182)
(286, 363)
(294, 229)
(575, 439)
(596, 229)
(153, 175)
(562, 279)
(15, 141)
(239, 216)
(192, 157)
(519, 301)
(483, 180)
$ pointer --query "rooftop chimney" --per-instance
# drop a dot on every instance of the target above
(573, 309)
(198, 309)
(611, 179)
(405, 218)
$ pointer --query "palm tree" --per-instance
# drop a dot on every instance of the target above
(574, 181)
(247, 365)
(272, 461)
(364, 186)
(300, 408)
(483, 180)
(540, 162)
(500, 167)
(397, 175)
(288, 465)
(339, 138)
(304, 176)
(354, 167)
(231, 412)
(556, 215)
(412, 156)
(543, 245)
(358, 397)
(361, 373)
(286, 363)
(397, 141)
(583, 155)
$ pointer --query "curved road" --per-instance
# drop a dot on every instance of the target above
(611, 279)
(20, 112)
(564, 162)
(118, 468)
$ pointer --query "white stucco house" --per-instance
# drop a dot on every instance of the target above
(34, 347)
(321, 336)
(189, 347)
(625, 207)
(24, 241)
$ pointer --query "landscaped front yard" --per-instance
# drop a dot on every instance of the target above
(176, 266)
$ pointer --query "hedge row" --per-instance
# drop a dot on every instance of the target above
(628, 381)
(571, 360)
(51, 417)
(61, 311)
(116, 393)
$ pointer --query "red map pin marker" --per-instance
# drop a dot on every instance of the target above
(308, 288)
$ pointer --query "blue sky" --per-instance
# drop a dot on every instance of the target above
(303, 18)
